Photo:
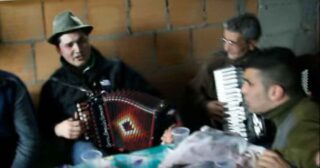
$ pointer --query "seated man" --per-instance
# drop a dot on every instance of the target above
(19, 138)
(273, 89)
(200, 105)
(84, 71)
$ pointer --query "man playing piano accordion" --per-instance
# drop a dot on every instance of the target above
(201, 107)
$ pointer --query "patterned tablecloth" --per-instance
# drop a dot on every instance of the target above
(147, 158)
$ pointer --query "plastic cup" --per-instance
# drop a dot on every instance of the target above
(92, 158)
(179, 134)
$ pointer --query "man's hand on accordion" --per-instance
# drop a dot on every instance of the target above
(69, 129)
(215, 110)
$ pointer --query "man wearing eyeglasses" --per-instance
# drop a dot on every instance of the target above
(200, 107)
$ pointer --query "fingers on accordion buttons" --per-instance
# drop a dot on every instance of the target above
(87, 126)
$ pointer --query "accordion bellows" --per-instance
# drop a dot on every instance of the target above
(123, 120)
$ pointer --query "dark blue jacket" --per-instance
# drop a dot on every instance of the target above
(18, 129)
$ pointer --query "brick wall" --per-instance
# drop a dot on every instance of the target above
(164, 40)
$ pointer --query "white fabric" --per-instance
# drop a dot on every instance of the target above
(212, 148)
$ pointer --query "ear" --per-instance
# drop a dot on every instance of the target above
(276, 93)
(252, 44)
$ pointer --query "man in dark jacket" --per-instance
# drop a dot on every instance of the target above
(83, 70)
(19, 137)
(200, 107)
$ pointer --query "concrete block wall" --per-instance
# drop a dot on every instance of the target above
(291, 23)
(164, 40)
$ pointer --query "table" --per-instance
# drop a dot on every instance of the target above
(146, 158)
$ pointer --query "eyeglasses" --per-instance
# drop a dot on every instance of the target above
(226, 41)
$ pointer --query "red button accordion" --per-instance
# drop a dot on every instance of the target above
(124, 120)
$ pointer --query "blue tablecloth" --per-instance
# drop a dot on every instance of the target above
(146, 158)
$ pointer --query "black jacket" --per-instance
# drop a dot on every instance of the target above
(68, 86)
(19, 138)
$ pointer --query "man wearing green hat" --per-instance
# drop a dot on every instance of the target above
(82, 70)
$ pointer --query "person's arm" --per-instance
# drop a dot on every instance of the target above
(48, 111)
(201, 94)
(53, 121)
(271, 159)
(26, 128)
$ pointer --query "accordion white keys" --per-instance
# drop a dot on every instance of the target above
(238, 120)
(305, 81)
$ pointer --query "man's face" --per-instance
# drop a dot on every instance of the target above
(234, 44)
(255, 93)
(74, 47)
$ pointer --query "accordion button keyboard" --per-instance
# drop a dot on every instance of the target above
(228, 83)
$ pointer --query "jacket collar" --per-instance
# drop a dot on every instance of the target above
(242, 60)
(279, 113)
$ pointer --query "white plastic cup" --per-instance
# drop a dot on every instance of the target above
(92, 158)
(179, 134)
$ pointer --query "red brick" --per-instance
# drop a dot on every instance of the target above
(21, 20)
(171, 83)
(252, 6)
(17, 59)
(147, 15)
(166, 61)
(173, 48)
(138, 52)
(205, 41)
(106, 47)
(220, 10)
(107, 17)
(47, 60)
(53, 7)
(185, 12)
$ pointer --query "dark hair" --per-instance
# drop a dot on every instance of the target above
(277, 66)
(246, 24)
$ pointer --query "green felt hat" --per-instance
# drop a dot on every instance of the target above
(66, 22)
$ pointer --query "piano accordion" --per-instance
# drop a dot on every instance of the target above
(305, 81)
(124, 120)
(238, 120)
